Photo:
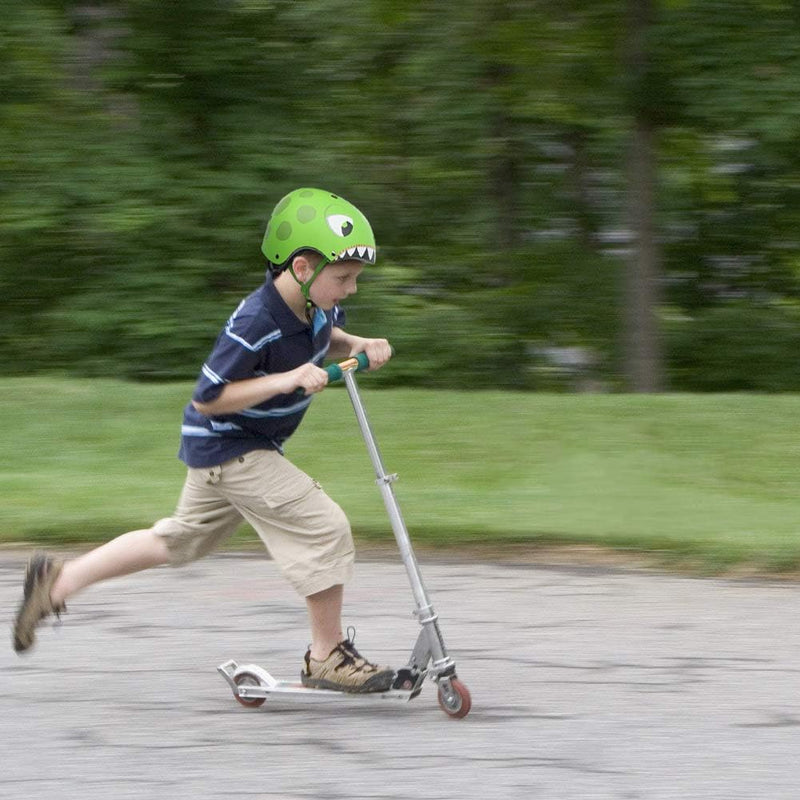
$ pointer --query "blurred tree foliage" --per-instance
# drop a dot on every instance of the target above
(143, 145)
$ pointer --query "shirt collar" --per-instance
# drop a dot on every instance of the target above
(286, 319)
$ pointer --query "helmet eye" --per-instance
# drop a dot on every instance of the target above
(340, 224)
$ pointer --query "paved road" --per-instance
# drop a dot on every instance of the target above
(586, 683)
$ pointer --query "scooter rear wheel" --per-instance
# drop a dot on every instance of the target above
(248, 679)
(456, 703)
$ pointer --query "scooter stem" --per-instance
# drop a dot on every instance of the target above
(424, 610)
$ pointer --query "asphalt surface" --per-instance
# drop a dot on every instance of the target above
(585, 683)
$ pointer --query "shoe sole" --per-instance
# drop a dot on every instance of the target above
(37, 570)
(381, 682)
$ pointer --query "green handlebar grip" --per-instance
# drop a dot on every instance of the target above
(335, 372)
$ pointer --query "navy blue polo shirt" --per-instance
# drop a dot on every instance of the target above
(263, 336)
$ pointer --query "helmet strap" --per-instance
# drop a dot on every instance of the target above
(305, 287)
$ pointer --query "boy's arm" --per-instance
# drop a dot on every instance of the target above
(346, 345)
(238, 395)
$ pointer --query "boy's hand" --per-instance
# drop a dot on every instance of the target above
(378, 351)
(309, 377)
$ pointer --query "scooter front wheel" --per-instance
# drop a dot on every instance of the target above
(248, 679)
(455, 701)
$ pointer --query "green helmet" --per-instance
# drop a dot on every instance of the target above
(312, 219)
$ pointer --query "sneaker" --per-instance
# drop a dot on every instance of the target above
(36, 603)
(346, 670)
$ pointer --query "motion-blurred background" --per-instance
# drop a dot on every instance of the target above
(602, 195)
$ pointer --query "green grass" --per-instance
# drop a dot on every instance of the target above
(707, 478)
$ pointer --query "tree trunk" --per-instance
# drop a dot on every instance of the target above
(580, 188)
(643, 357)
(503, 168)
(503, 181)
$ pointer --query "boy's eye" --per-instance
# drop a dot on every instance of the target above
(340, 224)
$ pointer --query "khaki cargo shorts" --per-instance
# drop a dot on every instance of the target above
(305, 531)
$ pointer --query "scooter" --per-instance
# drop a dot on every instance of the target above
(252, 685)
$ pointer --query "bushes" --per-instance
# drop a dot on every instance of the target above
(736, 348)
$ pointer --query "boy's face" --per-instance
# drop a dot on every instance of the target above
(335, 283)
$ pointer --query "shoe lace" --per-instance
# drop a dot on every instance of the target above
(351, 656)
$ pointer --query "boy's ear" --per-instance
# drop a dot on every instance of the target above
(302, 268)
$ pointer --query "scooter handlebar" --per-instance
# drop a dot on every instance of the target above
(336, 371)
(357, 362)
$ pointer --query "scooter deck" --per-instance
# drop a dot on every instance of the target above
(267, 686)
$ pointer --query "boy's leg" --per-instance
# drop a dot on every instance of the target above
(49, 581)
(309, 537)
(201, 521)
(325, 620)
(131, 552)
(332, 662)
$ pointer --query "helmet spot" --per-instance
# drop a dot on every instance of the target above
(282, 205)
(284, 231)
(306, 193)
(306, 213)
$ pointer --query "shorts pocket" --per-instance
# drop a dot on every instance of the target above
(284, 493)
(270, 478)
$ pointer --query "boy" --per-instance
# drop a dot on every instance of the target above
(250, 397)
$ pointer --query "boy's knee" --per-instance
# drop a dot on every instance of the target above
(341, 525)
(326, 559)
(181, 544)
(341, 549)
